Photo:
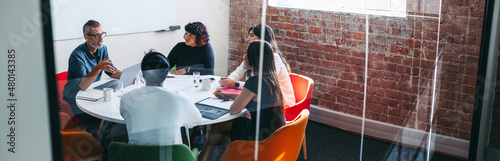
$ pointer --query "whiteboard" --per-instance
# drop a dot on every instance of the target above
(116, 16)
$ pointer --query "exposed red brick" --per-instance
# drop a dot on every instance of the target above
(315, 30)
(359, 36)
(272, 11)
(330, 48)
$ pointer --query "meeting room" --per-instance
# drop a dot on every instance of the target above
(198, 80)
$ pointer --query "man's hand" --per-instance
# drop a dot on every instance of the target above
(227, 82)
(106, 66)
(88, 79)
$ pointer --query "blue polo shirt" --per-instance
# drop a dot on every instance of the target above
(80, 63)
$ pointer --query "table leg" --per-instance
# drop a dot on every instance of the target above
(187, 136)
(105, 128)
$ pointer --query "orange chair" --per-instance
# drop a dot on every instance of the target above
(302, 88)
(283, 144)
(77, 144)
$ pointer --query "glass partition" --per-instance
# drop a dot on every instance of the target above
(377, 86)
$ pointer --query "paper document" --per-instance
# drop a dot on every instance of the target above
(91, 95)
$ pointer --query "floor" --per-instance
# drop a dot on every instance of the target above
(328, 143)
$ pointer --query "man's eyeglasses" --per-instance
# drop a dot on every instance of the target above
(99, 35)
(189, 34)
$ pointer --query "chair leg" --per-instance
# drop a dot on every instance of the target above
(304, 149)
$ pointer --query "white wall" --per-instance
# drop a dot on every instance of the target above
(126, 50)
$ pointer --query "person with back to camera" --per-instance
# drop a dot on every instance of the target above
(271, 100)
(154, 115)
(85, 66)
(282, 68)
(195, 53)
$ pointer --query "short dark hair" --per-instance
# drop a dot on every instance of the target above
(87, 28)
(155, 67)
(200, 31)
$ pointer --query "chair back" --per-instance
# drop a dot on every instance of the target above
(302, 88)
(78, 144)
(61, 78)
(65, 121)
(73, 139)
(283, 144)
(130, 152)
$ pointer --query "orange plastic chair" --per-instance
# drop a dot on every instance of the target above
(302, 88)
(283, 144)
(77, 144)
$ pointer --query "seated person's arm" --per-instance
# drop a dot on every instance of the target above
(88, 79)
(201, 69)
(236, 75)
(179, 71)
(241, 101)
(222, 94)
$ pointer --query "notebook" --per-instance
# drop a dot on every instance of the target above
(91, 95)
(213, 108)
(230, 90)
(127, 77)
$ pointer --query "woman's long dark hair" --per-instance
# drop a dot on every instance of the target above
(269, 75)
(269, 37)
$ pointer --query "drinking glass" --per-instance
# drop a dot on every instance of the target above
(196, 77)
(119, 88)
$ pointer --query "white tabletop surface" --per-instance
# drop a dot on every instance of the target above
(110, 111)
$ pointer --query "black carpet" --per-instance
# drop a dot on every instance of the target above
(332, 144)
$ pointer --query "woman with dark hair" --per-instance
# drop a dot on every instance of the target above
(195, 53)
(282, 68)
(271, 101)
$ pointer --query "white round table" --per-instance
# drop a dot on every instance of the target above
(110, 111)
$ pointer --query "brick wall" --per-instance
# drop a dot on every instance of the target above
(329, 47)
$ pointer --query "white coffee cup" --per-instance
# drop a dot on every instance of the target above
(108, 94)
(206, 84)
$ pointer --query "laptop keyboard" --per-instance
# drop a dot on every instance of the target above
(110, 84)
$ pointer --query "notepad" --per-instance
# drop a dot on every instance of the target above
(213, 108)
(230, 90)
(91, 95)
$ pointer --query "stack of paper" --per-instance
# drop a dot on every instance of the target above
(91, 95)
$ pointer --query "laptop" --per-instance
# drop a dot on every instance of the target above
(127, 77)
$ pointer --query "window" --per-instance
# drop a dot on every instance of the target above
(376, 7)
